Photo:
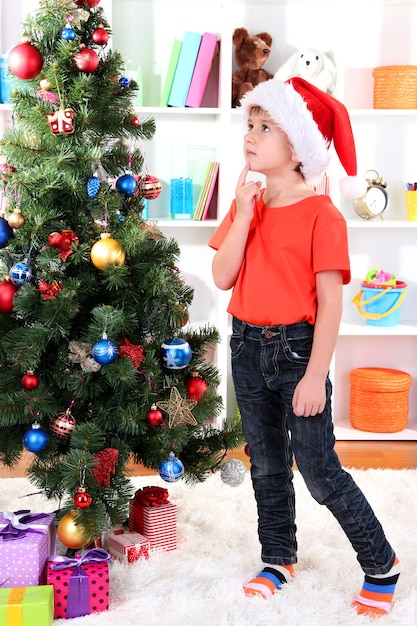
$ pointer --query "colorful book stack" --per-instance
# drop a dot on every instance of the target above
(204, 203)
(189, 68)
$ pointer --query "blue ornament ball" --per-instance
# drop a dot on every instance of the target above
(6, 232)
(21, 272)
(175, 353)
(68, 33)
(35, 439)
(124, 82)
(127, 185)
(105, 351)
(171, 469)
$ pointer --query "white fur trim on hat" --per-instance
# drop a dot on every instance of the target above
(289, 111)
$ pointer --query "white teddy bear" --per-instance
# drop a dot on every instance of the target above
(311, 64)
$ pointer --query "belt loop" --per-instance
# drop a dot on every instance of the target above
(242, 330)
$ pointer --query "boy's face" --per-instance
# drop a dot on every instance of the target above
(266, 147)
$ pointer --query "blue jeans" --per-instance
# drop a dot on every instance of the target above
(267, 363)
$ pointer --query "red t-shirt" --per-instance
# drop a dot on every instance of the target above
(285, 249)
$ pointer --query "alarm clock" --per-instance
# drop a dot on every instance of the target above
(375, 199)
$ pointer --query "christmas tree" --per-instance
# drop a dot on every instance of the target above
(99, 363)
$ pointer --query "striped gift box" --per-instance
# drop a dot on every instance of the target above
(129, 547)
(157, 523)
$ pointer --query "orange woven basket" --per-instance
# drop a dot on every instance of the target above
(395, 87)
(379, 399)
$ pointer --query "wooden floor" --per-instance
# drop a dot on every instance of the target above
(358, 454)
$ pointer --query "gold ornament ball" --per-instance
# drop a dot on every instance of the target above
(69, 534)
(45, 84)
(16, 219)
(105, 251)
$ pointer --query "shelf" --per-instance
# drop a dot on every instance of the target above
(164, 223)
(344, 431)
(380, 223)
(360, 328)
(174, 111)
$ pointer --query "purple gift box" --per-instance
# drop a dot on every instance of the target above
(26, 541)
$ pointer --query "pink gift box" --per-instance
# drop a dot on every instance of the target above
(81, 584)
(158, 522)
(26, 541)
(129, 547)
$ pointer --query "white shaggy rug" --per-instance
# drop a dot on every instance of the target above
(199, 584)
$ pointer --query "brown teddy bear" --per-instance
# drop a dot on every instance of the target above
(250, 55)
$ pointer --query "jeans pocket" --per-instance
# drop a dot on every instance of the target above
(237, 345)
(297, 349)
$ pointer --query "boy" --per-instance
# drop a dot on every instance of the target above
(283, 249)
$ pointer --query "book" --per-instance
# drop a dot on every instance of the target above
(185, 68)
(207, 191)
(202, 69)
(172, 66)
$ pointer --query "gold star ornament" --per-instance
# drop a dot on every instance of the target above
(178, 409)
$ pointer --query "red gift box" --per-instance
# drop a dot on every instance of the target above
(129, 547)
(81, 584)
(152, 515)
(26, 541)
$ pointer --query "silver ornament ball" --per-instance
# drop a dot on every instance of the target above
(233, 472)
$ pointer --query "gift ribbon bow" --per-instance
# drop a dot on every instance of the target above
(20, 523)
(151, 496)
(78, 589)
(133, 554)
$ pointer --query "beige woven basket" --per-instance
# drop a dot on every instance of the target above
(379, 399)
(395, 87)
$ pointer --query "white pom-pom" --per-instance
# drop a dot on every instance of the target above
(352, 186)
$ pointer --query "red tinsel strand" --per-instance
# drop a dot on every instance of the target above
(106, 466)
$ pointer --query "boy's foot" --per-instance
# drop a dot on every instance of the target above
(376, 595)
(270, 580)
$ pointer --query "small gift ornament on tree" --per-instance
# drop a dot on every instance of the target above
(61, 122)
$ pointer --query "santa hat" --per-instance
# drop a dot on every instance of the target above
(312, 119)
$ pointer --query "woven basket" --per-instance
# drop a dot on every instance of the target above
(379, 399)
(395, 87)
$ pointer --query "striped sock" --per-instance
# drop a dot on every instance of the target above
(267, 582)
(377, 593)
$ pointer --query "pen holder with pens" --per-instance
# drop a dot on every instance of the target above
(410, 197)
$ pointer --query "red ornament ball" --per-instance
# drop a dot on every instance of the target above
(30, 380)
(62, 425)
(247, 450)
(82, 498)
(100, 36)
(25, 61)
(150, 187)
(91, 3)
(135, 121)
(86, 60)
(195, 386)
(7, 291)
(154, 417)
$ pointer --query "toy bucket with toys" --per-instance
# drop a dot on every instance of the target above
(382, 295)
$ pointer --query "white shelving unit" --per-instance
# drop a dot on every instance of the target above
(360, 36)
